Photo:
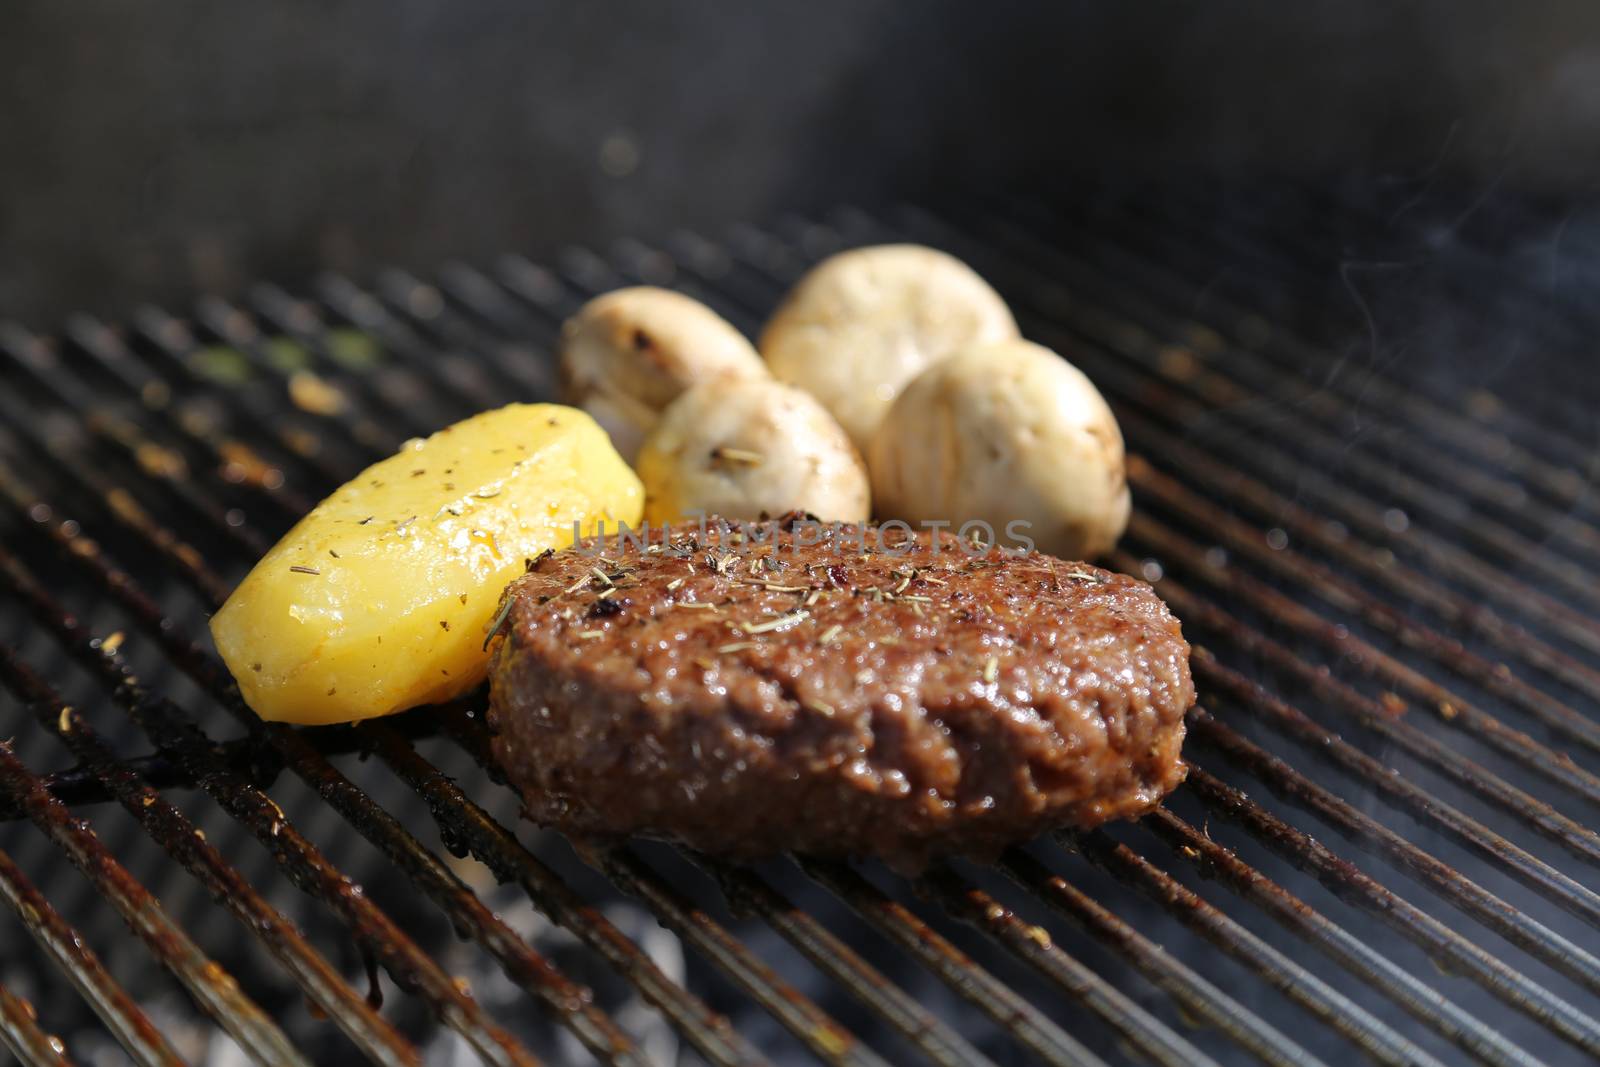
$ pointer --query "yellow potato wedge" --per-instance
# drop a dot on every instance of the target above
(379, 599)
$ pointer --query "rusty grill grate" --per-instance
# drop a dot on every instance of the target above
(1390, 583)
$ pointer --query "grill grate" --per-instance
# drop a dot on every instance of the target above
(1389, 583)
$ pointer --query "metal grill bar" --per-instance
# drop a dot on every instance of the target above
(224, 455)
(410, 968)
(830, 1042)
(465, 378)
(1559, 953)
(463, 821)
(1577, 838)
(20, 1032)
(1451, 608)
(1168, 234)
(1525, 696)
(122, 504)
(73, 957)
(808, 1023)
(207, 427)
(1563, 890)
(171, 348)
(1564, 486)
(492, 318)
(81, 786)
(1378, 1041)
(1200, 998)
(1138, 1027)
(1533, 755)
(1125, 562)
(1452, 707)
(1350, 884)
(1238, 536)
(1508, 498)
(922, 1028)
(1467, 1031)
(182, 840)
(1128, 338)
(1576, 727)
(366, 422)
(1449, 653)
(1346, 510)
(134, 453)
(1164, 233)
(1574, 836)
(366, 816)
(1346, 597)
(1147, 392)
(211, 676)
(1036, 1032)
(302, 861)
(741, 975)
(224, 1002)
(1396, 1050)
(178, 341)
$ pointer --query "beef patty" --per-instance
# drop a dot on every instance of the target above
(744, 692)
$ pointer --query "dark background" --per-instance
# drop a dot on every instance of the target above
(152, 151)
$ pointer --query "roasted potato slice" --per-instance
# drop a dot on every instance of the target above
(379, 599)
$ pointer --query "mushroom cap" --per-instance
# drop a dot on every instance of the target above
(863, 323)
(627, 354)
(743, 449)
(1005, 433)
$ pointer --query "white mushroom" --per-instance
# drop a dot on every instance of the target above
(863, 323)
(1006, 434)
(741, 448)
(629, 353)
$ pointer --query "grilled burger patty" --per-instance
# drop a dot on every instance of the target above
(899, 698)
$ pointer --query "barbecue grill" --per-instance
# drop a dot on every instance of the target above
(1383, 850)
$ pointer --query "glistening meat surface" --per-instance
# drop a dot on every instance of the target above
(901, 701)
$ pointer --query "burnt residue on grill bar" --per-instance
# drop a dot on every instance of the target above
(20, 1032)
(187, 845)
(219, 996)
(125, 527)
(82, 968)
(304, 864)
